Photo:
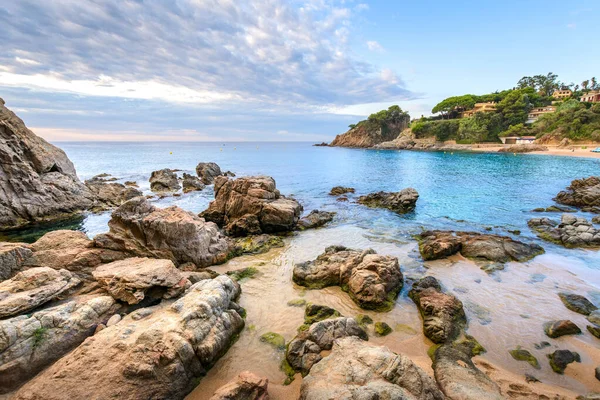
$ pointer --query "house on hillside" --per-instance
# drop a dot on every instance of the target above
(517, 139)
(591, 97)
(480, 107)
(537, 112)
(562, 94)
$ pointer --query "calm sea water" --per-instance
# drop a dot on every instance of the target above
(459, 191)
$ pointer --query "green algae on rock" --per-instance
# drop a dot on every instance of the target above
(296, 303)
(316, 312)
(363, 320)
(577, 303)
(382, 329)
(240, 274)
(520, 354)
(560, 328)
(561, 358)
(274, 339)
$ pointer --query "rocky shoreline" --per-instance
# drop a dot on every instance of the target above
(143, 311)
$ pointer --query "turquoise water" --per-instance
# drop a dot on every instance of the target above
(459, 191)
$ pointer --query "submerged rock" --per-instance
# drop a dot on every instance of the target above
(251, 205)
(129, 280)
(372, 280)
(191, 183)
(382, 329)
(571, 232)
(317, 312)
(274, 339)
(153, 353)
(340, 190)
(12, 258)
(164, 180)
(138, 228)
(257, 244)
(434, 245)
(582, 193)
(561, 358)
(357, 370)
(524, 355)
(29, 343)
(246, 386)
(208, 171)
(315, 219)
(33, 287)
(109, 194)
(401, 202)
(560, 328)
(38, 181)
(577, 303)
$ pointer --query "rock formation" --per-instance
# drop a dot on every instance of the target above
(251, 205)
(208, 171)
(560, 328)
(315, 219)
(372, 280)
(577, 303)
(129, 280)
(140, 229)
(33, 287)
(164, 180)
(571, 232)
(191, 183)
(522, 148)
(357, 370)
(434, 245)
(340, 190)
(30, 343)
(152, 353)
(109, 194)
(12, 258)
(38, 181)
(246, 386)
(583, 193)
(401, 202)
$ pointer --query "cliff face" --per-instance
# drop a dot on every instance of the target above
(37, 180)
(377, 129)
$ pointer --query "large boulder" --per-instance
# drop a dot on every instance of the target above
(434, 245)
(315, 219)
(246, 386)
(129, 280)
(251, 205)
(208, 171)
(358, 370)
(140, 229)
(29, 343)
(401, 202)
(38, 181)
(33, 287)
(191, 183)
(152, 353)
(12, 258)
(583, 193)
(572, 231)
(109, 194)
(164, 180)
(372, 280)
(305, 349)
(71, 250)
(577, 303)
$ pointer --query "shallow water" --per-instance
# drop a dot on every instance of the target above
(458, 191)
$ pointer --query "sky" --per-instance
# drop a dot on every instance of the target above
(271, 70)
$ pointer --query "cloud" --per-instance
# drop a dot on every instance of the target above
(374, 46)
(571, 26)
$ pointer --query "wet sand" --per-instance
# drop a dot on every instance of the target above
(505, 309)
(552, 151)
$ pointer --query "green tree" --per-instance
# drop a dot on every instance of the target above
(515, 107)
(594, 83)
(585, 85)
(465, 102)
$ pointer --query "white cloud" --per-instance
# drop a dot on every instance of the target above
(26, 61)
(571, 26)
(374, 46)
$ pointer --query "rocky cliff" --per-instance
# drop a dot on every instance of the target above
(383, 126)
(37, 180)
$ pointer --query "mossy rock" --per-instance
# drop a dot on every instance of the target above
(382, 329)
(594, 330)
(274, 339)
(473, 346)
(240, 274)
(289, 372)
(431, 351)
(296, 303)
(363, 320)
(303, 328)
(520, 354)
(38, 336)
(561, 358)
(258, 244)
(409, 330)
(315, 313)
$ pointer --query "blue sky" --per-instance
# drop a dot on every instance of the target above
(227, 70)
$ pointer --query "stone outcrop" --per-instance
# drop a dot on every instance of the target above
(129, 280)
(191, 183)
(560, 328)
(401, 202)
(560, 359)
(304, 350)
(251, 205)
(374, 130)
(33, 287)
(357, 370)
(71, 250)
(434, 245)
(340, 190)
(577, 303)
(373, 281)
(38, 181)
(109, 194)
(164, 180)
(152, 353)
(315, 219)
(572, 231)
(12, 258)
(30, 343)
(522, 148)
(138, 228)
(582, 193)
(208, 171)
(246, 386)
